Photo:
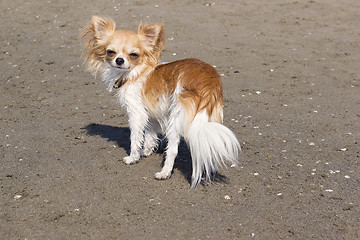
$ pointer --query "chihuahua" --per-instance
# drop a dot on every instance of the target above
(178, 99)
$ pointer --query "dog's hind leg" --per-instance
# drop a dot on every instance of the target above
(173, 138)
(173, 132)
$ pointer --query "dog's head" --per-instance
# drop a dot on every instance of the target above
(122, 50)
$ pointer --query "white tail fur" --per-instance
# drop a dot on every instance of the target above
(211, 144)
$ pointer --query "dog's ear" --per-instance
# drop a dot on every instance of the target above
(98, 29)
(97, 33)
(102, 27)
(153, 38)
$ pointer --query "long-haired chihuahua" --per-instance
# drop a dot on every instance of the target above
(178, 99)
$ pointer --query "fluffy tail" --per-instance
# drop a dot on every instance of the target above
(211, 145)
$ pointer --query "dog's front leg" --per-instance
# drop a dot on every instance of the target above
(137, 122)
(151, 140)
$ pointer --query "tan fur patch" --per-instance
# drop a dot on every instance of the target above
(202, 88)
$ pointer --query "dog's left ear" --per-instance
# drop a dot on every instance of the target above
(153, 37)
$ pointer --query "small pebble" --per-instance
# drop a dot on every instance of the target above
(329, 190)
(227, 197)
(347, 177)
(256, 174)
(17, 196)
(209, 4)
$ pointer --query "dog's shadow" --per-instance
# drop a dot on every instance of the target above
(121, 135)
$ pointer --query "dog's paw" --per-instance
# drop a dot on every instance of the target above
(163, 175)
(130, 160)
(147, 152)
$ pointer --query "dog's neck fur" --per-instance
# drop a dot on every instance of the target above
(115, 78)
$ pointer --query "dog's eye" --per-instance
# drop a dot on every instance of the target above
(134, 55)
(110, 53)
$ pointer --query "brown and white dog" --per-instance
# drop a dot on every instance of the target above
(179, 99)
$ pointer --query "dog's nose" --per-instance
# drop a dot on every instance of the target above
(119, 61)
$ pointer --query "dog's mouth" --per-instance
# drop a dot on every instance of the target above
(123, 68)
